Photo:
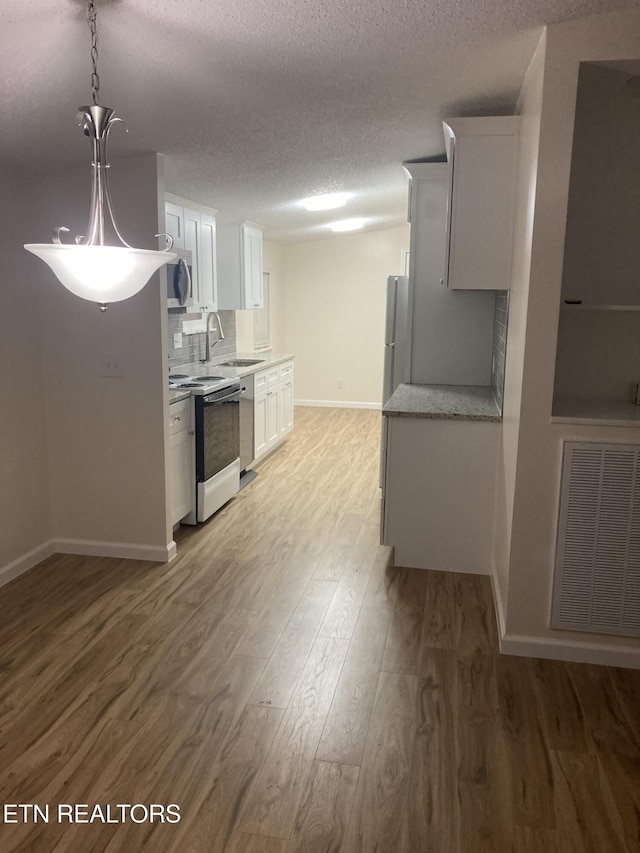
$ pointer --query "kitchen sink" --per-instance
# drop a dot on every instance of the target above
(242, 362)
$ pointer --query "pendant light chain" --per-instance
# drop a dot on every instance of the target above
(95, 79)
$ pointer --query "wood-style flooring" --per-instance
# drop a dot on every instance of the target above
(294, 692)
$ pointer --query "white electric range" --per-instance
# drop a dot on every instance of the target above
(217, 438)
(198, 384)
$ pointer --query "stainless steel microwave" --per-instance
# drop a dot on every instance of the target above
(180, 280)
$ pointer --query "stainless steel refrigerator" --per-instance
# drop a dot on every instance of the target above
(396, 335)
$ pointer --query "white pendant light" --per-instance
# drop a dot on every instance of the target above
(90, 269)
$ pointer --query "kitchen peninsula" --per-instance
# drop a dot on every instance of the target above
(438, 468)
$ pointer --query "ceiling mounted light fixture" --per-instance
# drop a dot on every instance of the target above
(327, 201)
(347, 225)
(90, 269)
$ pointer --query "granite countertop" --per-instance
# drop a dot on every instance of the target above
(214, 367)
(447, 402)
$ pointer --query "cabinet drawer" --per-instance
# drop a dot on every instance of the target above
(286, 370)
(179, 416)
(261, 381)
(273, 375)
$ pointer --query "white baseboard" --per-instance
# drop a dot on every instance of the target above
(88, 548)
(570, 650)
(497, 600)
(26, 561)
(556, 648)
(338, 404)
(124, 550)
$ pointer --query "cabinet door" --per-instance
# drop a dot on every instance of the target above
(482, 154)
(182, 474)
(287, 406)
(253, 295)
(207, 269)
(273, 417)
(192, 243)
(260, 424)
(174, 223)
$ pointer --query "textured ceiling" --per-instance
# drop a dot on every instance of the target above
(257, 104)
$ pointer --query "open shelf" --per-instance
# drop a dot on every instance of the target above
(595, 412)
(591, 306)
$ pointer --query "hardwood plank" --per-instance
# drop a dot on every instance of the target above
(432, 819)
(476, 615)
(531, 804)
(402, 652)
(485, 808)
(578, 795)
(323, 817)
(383, 784)
(264, 635)
(613, 736)
(558, 705)
(281, 674)
(213, 809)
(345, 731)
(336, 555)
(344, 610)
(528, 839)
(441, 629)
(245, 843)
(275, 798)
(174, 754)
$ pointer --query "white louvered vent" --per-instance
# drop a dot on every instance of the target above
(597, 581)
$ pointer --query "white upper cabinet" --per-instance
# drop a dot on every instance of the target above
(482, 155)
(193, 227)
(208, 267)
(174, 219)
(240, 266)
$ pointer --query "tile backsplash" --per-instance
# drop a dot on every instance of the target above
(193, 346)
(499, 349)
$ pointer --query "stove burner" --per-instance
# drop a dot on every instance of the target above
(178, 376)
(191, 385)
(210, 378)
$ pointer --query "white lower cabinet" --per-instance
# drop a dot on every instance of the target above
(260, 424)
(182, 459)
(273, 407)
(438, 489)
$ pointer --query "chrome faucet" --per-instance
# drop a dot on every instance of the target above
(207, 355)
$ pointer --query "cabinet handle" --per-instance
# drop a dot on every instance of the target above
(177, 417)
(191, 432)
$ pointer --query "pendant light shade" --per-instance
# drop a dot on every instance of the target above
(101, 273)
(89, 268)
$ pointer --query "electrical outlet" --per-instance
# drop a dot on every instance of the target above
(177, 340)
(111, 366)
(339, 383)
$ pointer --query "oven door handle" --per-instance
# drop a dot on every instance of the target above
(230, 396)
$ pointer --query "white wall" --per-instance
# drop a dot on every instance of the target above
(25, 518)
(105, 437)
(83, 457)
(539, 442)
(335, 293)
(529, 108)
